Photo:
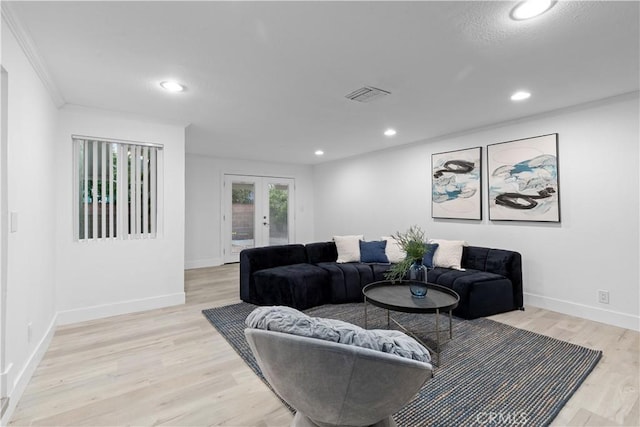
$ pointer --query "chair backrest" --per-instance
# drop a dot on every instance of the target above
(336, 384)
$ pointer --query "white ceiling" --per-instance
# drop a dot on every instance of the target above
(267, 80)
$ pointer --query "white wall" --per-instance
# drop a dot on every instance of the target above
(32, 195)
(102, 278)
(594, 247)
(204, 175)
(50, 278)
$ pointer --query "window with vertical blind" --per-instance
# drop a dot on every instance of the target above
(116, 189)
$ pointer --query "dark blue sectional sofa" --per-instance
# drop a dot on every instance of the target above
(304, 276)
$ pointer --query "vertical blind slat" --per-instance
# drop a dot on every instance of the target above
(123, 207)
(94, 189)
(103, 189)
(111, 182)
(153, 190)
(85, 193)
(135, 182)
(139, 188)
(132, 200)
(145, 191)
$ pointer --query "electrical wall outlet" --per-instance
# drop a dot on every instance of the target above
(603, 297)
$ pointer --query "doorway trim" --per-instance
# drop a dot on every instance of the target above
(4, 230)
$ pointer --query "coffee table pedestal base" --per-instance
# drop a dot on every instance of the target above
(437, 331)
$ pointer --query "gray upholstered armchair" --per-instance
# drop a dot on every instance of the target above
(335, 384)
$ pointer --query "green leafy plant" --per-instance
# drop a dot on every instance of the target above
(413, 243)
(243, 196)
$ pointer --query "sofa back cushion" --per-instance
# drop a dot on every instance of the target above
(496, 261)
(274, 256)
(474, 257)
(321, 252)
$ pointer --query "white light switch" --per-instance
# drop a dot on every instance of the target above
(14, 222)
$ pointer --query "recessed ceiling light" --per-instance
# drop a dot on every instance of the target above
(519, 96)
(390, 132)
(171, 86)
(319, 153)
(530, 9)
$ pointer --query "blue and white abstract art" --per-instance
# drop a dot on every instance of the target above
(523, 180)
(456, 190)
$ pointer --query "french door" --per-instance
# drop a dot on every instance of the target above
(257, 211)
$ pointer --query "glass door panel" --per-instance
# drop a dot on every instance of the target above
(278, 214)
(243, 214)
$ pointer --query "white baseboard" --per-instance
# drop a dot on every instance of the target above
(23, 378)
(4, 380)
(610, 317)
(123, 307)
(203, 262)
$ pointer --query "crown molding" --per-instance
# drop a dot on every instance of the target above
(31, 52)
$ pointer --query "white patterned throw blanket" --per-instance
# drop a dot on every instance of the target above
(291, 321)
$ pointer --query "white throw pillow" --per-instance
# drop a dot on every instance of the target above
(448, 254)
(393, 250)
(348, 248)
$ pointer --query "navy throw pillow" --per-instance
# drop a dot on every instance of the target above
(373, 251)
(430, 250)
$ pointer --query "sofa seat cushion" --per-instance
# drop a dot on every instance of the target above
(379, 270)
(290, 321)
(299, 285)
(481, 293)
(346, 280)
(448, 276)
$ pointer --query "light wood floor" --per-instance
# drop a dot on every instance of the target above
(171, 367)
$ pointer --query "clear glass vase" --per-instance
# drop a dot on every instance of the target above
(418, 279)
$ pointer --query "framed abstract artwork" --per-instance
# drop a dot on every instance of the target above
(523, 180)
(456, 185)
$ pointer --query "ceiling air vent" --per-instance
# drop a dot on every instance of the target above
(367, 94)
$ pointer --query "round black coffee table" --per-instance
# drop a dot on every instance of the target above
(395, 296)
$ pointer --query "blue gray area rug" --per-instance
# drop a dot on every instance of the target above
(489, 374)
